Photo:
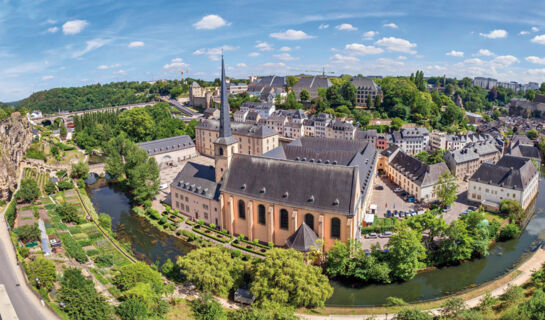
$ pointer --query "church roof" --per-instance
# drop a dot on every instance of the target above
(167, 145)
(303, 239)
(241, 128)
(198, 179)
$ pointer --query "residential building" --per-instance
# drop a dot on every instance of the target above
(266, 88)
(293, 130)
(340, 130)
(444, 141)
(170, 150)
(237, 88)
(412, 141)
(464, 162)
(211, 113)
(240, 115)
(369, 136)
(311, 84)
(522, 146)
(254, 139)
(265, 109)
(322, 183)
(253, 117)
(365, 87)
(412, 175)
(308, 128)
(201, 97)
(321, 121)
(511, 178)
(485, 83)
(474, 118)
(276, 122)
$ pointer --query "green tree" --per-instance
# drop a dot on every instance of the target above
(452, 306)
(50, 187)
(532, 134)
(28, 233)
(65, 185)
(28, 191)
(68, 212)
(63, 132)
(81, 300)
(348, 92)
(458, 244)
(105, 221)
(291, 81)
(530, 95)
(44, 270)
(207, 308)
(212, 270)
(413, 314)
(508, 232)
(79, 170)
(534, 309)
(369, 102)
(513, 210)
(267, 311)
(446, 189)
(435, 225)
(283, 277)
(396, 123)
(132, 274)
(132, 309)
(406, 253)
(137, 123)
(304, 95)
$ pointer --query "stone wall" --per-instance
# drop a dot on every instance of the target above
(15, 137)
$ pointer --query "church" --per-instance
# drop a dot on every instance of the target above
(313, 188)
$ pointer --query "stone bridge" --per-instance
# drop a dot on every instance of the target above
(66, 116)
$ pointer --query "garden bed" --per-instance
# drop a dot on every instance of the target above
(249, 246)
(212, 233)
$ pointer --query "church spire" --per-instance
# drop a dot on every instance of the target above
(225, 123)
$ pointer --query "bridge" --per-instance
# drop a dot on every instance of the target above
(65, 116)
(185, 110)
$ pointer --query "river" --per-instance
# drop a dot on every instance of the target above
(150, 244)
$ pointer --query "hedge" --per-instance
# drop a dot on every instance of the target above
(73, 248)
(236, 245)
(196, 229)
(10, 213)
(376, 229)
(255, 244)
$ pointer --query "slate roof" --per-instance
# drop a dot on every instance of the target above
(365, 135)
(257, 105)
(303, 239)
(364, 83)
(510, 172)
(252, 115)
(540, 98)
(472, 152)
(300, 184)
(245, 129)
(521, 140)
(341, 125)
(167, 145)
(421, 174)
(198, 179)
(312, 83)
(525, 151)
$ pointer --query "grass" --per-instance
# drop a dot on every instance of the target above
(180, 311)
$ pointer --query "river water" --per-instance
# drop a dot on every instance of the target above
(150, 244)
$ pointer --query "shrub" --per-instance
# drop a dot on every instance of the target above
(256, 241)
(270, 244)
(162, 220)
(147, 204)
(236, 253)
(105, 260)
(10, 213)
(200, 222)
(29, 233)
(138, 210)
(105, 221)
(73, 248)
(395, 301)
(508, 232)
(172, 227)
(64, 185)
(84, 243)
(179, 232)
(213, 226)
(92, 252)
(23, 251)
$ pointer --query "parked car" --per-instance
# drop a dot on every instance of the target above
(403, 193)
(402, 214)
(396, 213)
(371, 235)
(397, 190)
(472, 208)
(411, 200)
(379, 188)
(412, 212)
(163, 186)
(386, 234)
(388, 213)
(447, 208)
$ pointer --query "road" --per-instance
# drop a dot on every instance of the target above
(26, 304)
(180, 107)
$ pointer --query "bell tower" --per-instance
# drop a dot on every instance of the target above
(226, 145)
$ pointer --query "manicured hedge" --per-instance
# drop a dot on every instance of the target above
(210, 235)
(237, 245)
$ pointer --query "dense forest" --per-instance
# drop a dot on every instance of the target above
(93, 130)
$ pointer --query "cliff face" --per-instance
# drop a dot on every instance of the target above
(15, 137)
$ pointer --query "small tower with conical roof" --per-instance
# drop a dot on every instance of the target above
(225, 146)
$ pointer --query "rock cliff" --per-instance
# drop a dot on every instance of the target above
(15, 137)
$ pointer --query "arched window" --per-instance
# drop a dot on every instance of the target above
(309, 220)
(284, 219)
(241, 209)
(261, 214)
(335, 228)
(221, 151)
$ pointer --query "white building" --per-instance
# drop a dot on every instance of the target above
(170, 150)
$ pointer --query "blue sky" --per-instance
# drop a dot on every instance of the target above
(45, 44)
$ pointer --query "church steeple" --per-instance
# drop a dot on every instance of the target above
(225, 145)
(225, 123)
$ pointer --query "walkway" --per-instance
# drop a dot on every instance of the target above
(526, 269)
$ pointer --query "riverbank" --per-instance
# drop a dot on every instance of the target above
(472, 298)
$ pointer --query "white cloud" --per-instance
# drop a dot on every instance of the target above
(346, 27)
(536, 60)
(176, 63)
(390, 25)
(455, 53)
(475, 61)
(504, 61)
(214, 53)
(90, 46)
(389, 62)
(263, 46)
(539, 39)
(253, 54)
(74, 26)
(323, 26)
(339, 58)
(136, 44)
(121, 72)
(291, 34)
(360, 49)
(535, 29)
(47, 77)
(274, 65)
(484, 52)
(241, 65)
(210, 22)
(495, 34)
(50, 21)
(285, 57)
(105, 67)
(537, 72)
(401, 58)
(397, 44)
(523, 32)
(53, 30)
(369, 35)
(285, 49)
